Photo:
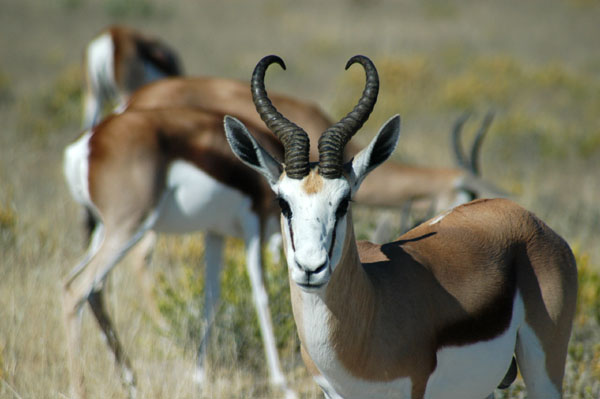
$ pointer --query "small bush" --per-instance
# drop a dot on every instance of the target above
(588, 298)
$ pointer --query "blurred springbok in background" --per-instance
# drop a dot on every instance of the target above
(438, 313)
(165, 170)
(394, 185)
(119, 61)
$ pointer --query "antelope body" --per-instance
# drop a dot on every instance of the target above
(437, 313)
(391, 186)
(117, 62)
(164, 170)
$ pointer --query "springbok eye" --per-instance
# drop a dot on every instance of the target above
(285, 208)
(342, 208)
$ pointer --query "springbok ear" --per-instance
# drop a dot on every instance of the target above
(247, 149)
(379, 150)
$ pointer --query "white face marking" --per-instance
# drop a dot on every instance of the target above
(200, 202)
(313, 220)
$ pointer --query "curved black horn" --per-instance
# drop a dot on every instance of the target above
(461, 158)
(485, 125)
(472, 163)
(334, 139)
(294, 139)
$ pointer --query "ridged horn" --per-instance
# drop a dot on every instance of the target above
(475, 149)
(294, 139)
(461, 158)
(334, 139)
(471, 163)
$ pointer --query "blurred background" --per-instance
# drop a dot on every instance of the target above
(535, 63)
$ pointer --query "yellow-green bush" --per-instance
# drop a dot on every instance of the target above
(8, 218)
(588, 298)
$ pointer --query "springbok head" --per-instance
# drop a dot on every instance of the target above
(314, 197)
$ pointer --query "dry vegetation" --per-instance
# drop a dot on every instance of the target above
(536, 63)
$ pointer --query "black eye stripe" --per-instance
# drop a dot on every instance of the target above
(285, 208)
(291, 234)
(342, 207)
(333, 237)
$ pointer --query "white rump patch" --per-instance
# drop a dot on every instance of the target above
(100, 64)
(76, 167)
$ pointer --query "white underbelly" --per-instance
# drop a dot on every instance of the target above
(462, 372)
(200, 202)
(474, 371)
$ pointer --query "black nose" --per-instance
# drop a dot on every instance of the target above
(317, 270)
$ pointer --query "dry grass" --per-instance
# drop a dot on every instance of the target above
(535, 62)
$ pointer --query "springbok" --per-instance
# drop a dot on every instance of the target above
(117, 62)
(437, 313)
(164, 170)
(392, 186)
